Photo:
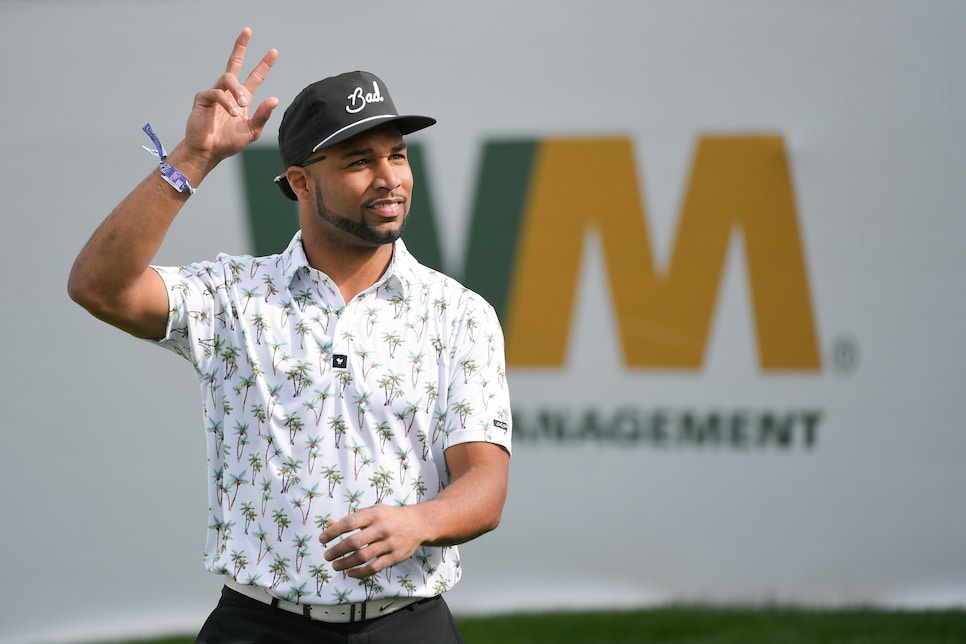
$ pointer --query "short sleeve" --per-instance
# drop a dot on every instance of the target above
(478, 407)
(192, 310)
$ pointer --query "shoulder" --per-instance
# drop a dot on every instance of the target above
(225, 271)
(439, 288)
(245, 268)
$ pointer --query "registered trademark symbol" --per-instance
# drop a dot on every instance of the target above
(845, 355)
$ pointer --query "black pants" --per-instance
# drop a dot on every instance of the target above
(238, 619)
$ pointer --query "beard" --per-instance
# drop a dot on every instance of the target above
(358, 229)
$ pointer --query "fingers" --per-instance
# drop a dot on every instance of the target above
(362, 560)
(222, 97)
(234, 95)
(352, 552)
(237, 57)
(370, 542)
(341, 527)
(257, 75)
(262, 114)
(372, 568)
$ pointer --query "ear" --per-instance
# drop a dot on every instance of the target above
(299, 180)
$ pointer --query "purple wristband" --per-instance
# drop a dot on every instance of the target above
(168, 172)
(177, 180)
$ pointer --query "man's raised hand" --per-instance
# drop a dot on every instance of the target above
(219, 125)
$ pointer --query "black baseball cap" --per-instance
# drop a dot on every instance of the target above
(332, 110)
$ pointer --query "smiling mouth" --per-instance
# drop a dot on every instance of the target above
(388, 208)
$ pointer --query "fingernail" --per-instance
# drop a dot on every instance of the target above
(233, 111)
(242, 100)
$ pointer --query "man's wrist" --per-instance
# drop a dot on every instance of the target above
(185, 167)
(194, 165)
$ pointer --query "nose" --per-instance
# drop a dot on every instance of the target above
(388, 175)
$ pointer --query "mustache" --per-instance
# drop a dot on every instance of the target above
(392, 197)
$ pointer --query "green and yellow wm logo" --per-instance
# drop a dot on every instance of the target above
(536, 201)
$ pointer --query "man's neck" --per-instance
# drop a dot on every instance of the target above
(353, 269)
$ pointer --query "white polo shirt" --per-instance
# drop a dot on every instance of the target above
(314, 408)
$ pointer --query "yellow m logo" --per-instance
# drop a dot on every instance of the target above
(738, 184)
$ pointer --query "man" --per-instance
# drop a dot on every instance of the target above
(355, 401)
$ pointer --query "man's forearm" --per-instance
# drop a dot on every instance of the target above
(108, 274)
(473, 503)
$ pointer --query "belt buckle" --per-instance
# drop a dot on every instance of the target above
(336, 614)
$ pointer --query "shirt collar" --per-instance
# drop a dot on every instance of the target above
(400, 272)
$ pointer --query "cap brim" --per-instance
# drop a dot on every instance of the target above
(407, 125)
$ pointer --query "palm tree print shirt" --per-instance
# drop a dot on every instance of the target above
(314, 408)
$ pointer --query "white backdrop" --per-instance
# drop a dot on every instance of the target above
(102, 440)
